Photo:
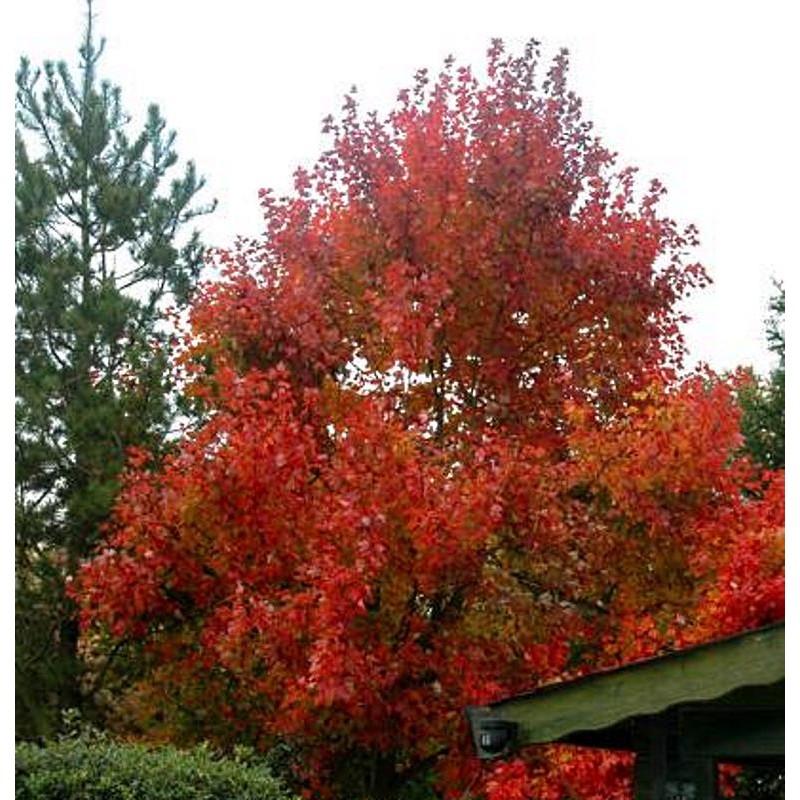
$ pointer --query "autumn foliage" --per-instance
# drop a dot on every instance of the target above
(446, 455)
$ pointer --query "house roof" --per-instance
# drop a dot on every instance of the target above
(743, 672)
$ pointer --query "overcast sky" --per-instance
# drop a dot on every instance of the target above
(698, 96)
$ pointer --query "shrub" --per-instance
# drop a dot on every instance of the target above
(92, 767)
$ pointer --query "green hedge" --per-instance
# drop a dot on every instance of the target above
(96, 768)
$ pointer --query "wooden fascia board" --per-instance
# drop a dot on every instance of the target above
(603, 700)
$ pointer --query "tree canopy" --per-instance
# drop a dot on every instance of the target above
(447, 455)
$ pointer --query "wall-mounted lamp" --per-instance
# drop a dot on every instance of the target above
(493, 737)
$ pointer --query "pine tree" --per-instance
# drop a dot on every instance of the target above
(100, 251)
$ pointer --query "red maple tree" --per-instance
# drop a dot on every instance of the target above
(445, 455)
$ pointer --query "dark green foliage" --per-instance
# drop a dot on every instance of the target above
(100, 250)
(92, 767)
(761, 783)
(764, 402)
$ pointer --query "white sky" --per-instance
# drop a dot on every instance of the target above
(696, 95)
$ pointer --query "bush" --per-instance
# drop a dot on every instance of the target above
(91, 767)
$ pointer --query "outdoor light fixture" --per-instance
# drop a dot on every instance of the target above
(493, 737)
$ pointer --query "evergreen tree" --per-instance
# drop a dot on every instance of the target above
(763, 426)
(100, 251)
(764, 401)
